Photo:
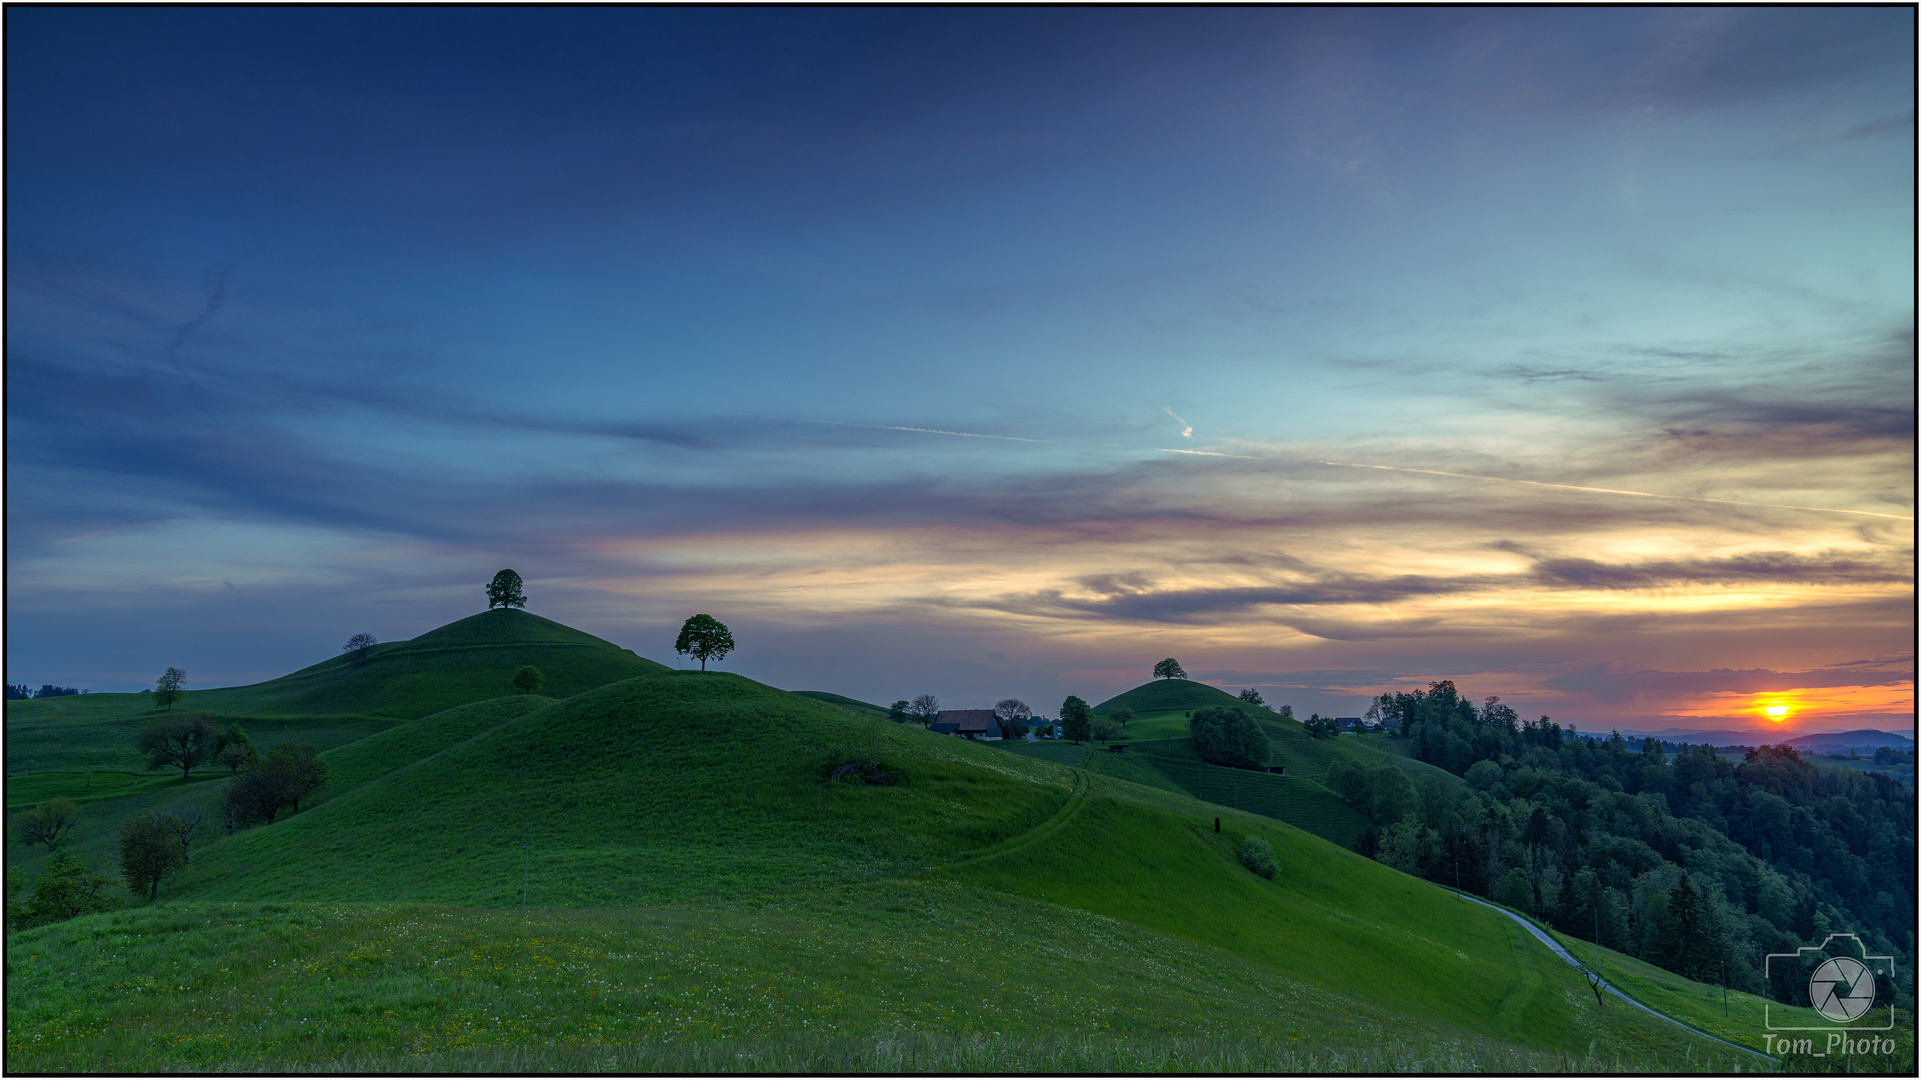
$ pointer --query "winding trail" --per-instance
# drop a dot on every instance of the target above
(1075, 800)
(1541, 936)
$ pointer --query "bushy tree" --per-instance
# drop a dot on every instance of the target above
(182, 742)
(704, 638)
(528, 679)
(1013, 715)
(925, 707)
(1077, 720)
(169, 687)
(360, 645)
(65, 888)
(1224, 735)
(289, 773)
(185, 819)
(49, 822)
(1169, 668)
(504, 591)
(1321, 727)
(236, 750)
(150, 852)
(1108, 731)
(1252, 696)
(900, 711)
(1257, 855)
(1514, 890)
(1120, 714)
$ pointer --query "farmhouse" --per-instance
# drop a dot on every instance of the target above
(972, 723)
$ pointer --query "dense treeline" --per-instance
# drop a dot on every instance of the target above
(1691, 861)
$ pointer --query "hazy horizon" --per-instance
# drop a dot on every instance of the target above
(1563, 353)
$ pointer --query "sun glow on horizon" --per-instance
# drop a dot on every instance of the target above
(1776, 713)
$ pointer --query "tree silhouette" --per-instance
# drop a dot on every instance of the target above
(704, 638)
(167, 689)
(1169, 668)
(504, 591)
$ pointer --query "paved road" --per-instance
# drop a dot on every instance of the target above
(1544, 939)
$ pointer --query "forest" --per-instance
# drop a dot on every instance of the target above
(1695, 861)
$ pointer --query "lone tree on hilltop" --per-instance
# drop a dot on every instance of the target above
(150, 852)
(924, 708)
(1077, 720)
(182, 741)
(504, 591)
(49, 822)
(1169, 668)
(1252, 696)
(167, 689)
(360, 645)
(704, 638)
(528, 679)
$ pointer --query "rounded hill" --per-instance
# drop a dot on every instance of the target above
(1168, 695)
(472, 659)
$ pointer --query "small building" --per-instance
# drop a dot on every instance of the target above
(972, 723)
(944, 729)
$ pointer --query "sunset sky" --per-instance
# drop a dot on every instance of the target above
(1566, 354)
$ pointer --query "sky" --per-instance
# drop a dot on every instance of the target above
(1567, 353)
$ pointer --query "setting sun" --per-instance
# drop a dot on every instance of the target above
(1776, 712)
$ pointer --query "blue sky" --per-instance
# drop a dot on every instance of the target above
(979, 352)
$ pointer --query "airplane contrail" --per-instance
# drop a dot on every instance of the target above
(1617, 491)
(922, 430)
(1187, 429)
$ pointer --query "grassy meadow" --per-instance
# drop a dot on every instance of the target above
(717, 874)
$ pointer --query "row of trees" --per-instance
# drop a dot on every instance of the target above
(1690, 860)
(23, 691)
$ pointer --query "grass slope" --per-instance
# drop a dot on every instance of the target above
(671, 786)
(905, 976)
(848, 703)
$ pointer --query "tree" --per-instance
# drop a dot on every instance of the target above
(180, 741)
(1227, 736)
(1319, 727)
(289, 773)
(149, 852)
(360, 645)
(1013, 715)
(65, 888)
(1077, 720)
(1120, 714)
(704, 638)
(925, 708)
(167, 689)
(1107, 731)
(184, 817)
(1169, 668)
(504, 591)
(528, 679)
(1252, 696)
(49, 822)
(236, 750)
(900, 711)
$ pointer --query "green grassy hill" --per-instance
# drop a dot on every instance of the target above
(336, 701)
(848, 703)
(1158, 735)
(701, 864)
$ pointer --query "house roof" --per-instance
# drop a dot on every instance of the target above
(943, 729)
(971, 721)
